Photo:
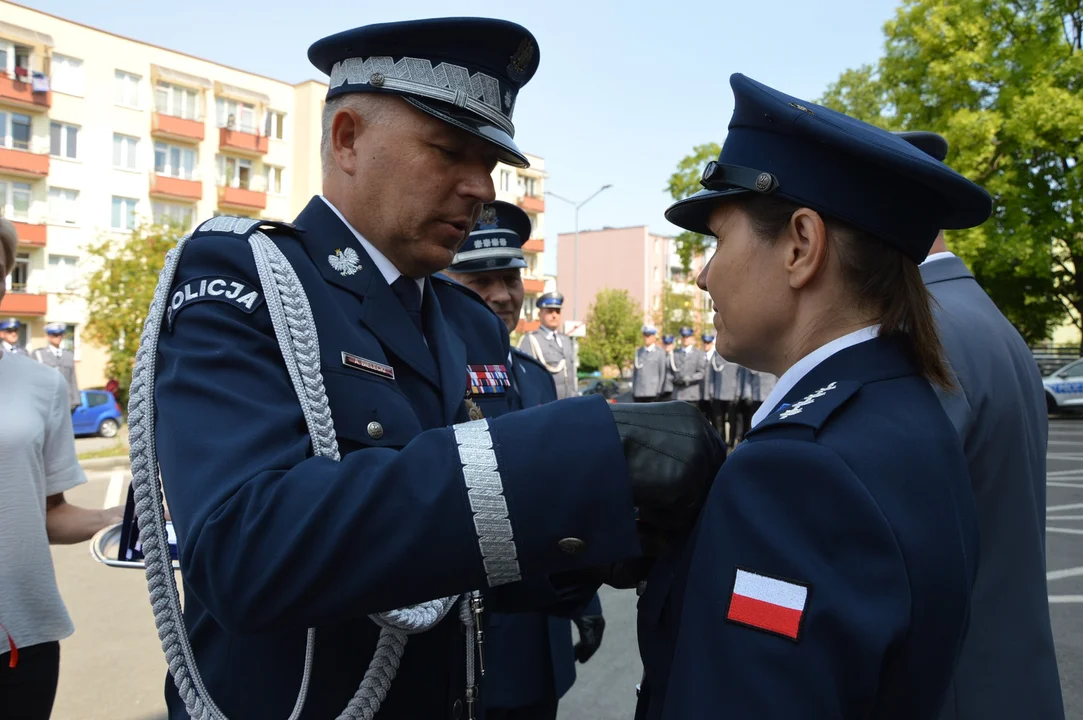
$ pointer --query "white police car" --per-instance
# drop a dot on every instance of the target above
(1064, 388)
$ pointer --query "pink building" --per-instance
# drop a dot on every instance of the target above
(631, 259)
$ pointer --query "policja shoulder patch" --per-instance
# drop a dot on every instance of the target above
(231, 291)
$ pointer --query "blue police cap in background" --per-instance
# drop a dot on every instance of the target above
(930, 143)
(464, 71)
(648, 330)
(9, 324)
(687, 332)
(496, 242)
(708, 338)
(550, 300)
(667, 339)
(844, 168)
(57, 328)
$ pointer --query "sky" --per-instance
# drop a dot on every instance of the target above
(624, 90)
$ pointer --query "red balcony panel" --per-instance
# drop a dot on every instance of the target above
(175, 128)
(23, 163)
(532, 203)
(14, 91)
(241, 198)
(242, 142)
(532, 286)
(15, 303)
(29, 234)
(175, 188)
(535, 245)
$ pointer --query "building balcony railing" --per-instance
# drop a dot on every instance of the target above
(526, 326)
(242, 142)
(533, 286)
(173, 188)
(242, 198)
(23, 303)
(534, 245)
(532, 203)
(19, 90)
(30, 234)
(168, 127)
(24, 163)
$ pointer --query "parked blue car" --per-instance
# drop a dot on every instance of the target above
(100, 414)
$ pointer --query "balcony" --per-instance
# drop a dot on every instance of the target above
(535, 245)
(242, 142)
(13, 91)
(167, 127)
(526, 326)
(532, 203)
(172, 188)
(242, 198)
(24, 163)
(30, 234)
(19, 303)
(532, 286)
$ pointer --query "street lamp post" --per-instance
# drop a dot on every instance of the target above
(575, 273)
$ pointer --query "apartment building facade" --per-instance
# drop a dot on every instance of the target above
(526, 188)
(100, 132)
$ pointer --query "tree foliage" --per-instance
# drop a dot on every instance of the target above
(684, 182)
(1002, 80)
(676, 310)
(614, 329)
(119, 290)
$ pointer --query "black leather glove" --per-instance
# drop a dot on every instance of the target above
(591, 628)
(673, 455)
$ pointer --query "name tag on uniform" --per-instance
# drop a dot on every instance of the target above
(487, 379)
(370, 366)
(237, 293)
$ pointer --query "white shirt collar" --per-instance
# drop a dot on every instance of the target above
(385, 266)
(805, 365)
(938, 256)
(649, 348)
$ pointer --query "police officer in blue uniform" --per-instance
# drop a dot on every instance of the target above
(831, 571)
(9, 337)
(531, 656)
(414, 482)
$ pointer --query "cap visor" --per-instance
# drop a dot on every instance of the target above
(483, 265)
(509, 151)
(693, 212)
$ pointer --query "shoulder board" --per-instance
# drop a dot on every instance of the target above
(527, 358)
(242, 227)
(439, 279)
(813, 410)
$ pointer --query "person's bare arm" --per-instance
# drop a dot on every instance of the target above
(67, 524)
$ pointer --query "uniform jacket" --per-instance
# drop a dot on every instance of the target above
(688, 366)
(16, 350)
(720, 378)
(273, 540)
(844, 527)
(557, 353)
(649, 372)
(66, 365)
(1008, 668)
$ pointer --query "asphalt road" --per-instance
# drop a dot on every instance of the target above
(112, 667)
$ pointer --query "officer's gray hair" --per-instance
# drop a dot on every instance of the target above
(9, 240)
(374, 109)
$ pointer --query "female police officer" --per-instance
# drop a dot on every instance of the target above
(830, 573)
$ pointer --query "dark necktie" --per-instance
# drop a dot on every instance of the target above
(410, 297)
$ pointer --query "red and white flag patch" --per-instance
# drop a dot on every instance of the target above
(768, 603)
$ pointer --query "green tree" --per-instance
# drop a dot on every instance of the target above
(1002, 80)
(676, 310)
(614, 329)
(119, 291)
(684, 182)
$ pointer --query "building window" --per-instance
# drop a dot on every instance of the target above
(63, 140)
(234, 172)
(124, 213)
(174, 161)
(657, 274)
(66, 75)
(14, 130)
(15, 200)
(274, 124)
(125, 149)
(15, 60)
(657, 302)
(182, 217)
(20, 276)
(528, 186)
(62, 275)
(273, 177)
(177, 101)
(236, 115)
(63, 206)
(127, 89)
(505, 180)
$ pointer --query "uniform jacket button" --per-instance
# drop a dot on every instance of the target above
(457, 710)
(572, 546)
(376, 430)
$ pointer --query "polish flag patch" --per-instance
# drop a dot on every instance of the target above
(768, 603)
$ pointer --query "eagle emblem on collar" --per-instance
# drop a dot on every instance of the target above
(345, 261)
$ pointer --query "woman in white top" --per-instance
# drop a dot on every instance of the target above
(38, 465)
(831, 570)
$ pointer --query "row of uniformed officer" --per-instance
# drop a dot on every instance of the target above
(427, 501)
(531, 658)
(53, 354)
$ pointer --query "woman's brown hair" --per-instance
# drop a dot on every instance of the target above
(882, 278)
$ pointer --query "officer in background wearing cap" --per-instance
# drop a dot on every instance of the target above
(709, 386)
(687, 365)
(1008, 666)
(531, 656)
(831, 572)
(439, 490)
(9, 337)
(552, 348)
(649, 368)
(667, 384)
(60, 358)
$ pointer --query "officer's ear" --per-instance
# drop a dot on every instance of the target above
(805, 244)
(346, 128)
